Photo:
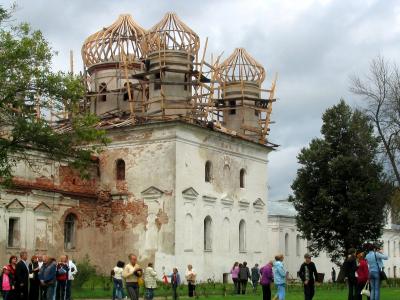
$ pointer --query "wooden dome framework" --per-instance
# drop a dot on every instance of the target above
(241, 73)
(171, 34)
(240, 66)
(128, 46)
(122, 38)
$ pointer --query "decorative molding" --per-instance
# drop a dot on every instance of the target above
(227, 202)
(209, 199)
(15, 205)
(244, 204)
(258, 204)
(152, 193)
(190, 194)
(42, 208)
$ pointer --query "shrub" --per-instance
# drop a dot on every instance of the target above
(85, 272)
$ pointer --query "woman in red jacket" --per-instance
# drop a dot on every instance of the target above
(362, 274)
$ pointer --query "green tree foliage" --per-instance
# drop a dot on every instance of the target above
(339, 192)
(30, 89)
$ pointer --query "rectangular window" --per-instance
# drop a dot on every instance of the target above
(13, 232)
(232, 103)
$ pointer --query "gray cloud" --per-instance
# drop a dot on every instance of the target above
(314, 45)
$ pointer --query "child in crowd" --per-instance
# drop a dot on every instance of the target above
(6, 283)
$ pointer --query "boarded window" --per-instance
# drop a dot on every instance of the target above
(208, 171)
(103, 91)
(242, 236)
(14, 233)
(188, 232)
(298, 245)
(208, 233)
(70, 232)
(287, 244)
(242, 177)
(41, 234)
(226, 229)
(120, 166)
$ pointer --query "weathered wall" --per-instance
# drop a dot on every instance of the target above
(147, 212)
(222, 199)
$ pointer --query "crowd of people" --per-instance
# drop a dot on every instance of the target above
(43, 278)
(363, 271)
(135, 276)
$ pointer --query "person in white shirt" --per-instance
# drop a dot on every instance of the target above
(191, 279)
(73, 270)
(118, 290)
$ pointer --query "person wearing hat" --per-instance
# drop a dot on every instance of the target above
(7, 284)
(308, 274)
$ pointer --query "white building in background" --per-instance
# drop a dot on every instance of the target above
(282, 228)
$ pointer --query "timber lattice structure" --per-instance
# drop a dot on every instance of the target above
(133, 76)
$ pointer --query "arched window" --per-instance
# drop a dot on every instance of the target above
(297, 245)
(388, 248)
(188, 232)
(207, 233)
(103, 91)
(242, 177)
(70, 232)
(258, 242)
(208, 171)
(120, 166)
(226, 173)
(226, 231)
(287, 244)
(242, 236)
(187, 82)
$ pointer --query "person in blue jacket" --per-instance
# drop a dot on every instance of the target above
(47, 276)
(375, 259)
(175, 282)
(279, 276)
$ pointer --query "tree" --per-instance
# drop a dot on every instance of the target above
(31, 94)
(380, 88)
(339, 192)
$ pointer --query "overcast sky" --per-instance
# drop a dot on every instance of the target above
(314, 46)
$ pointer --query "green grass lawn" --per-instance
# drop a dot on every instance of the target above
(294, 293)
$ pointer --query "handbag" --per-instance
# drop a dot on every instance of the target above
(365, 291)
(382, 274)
